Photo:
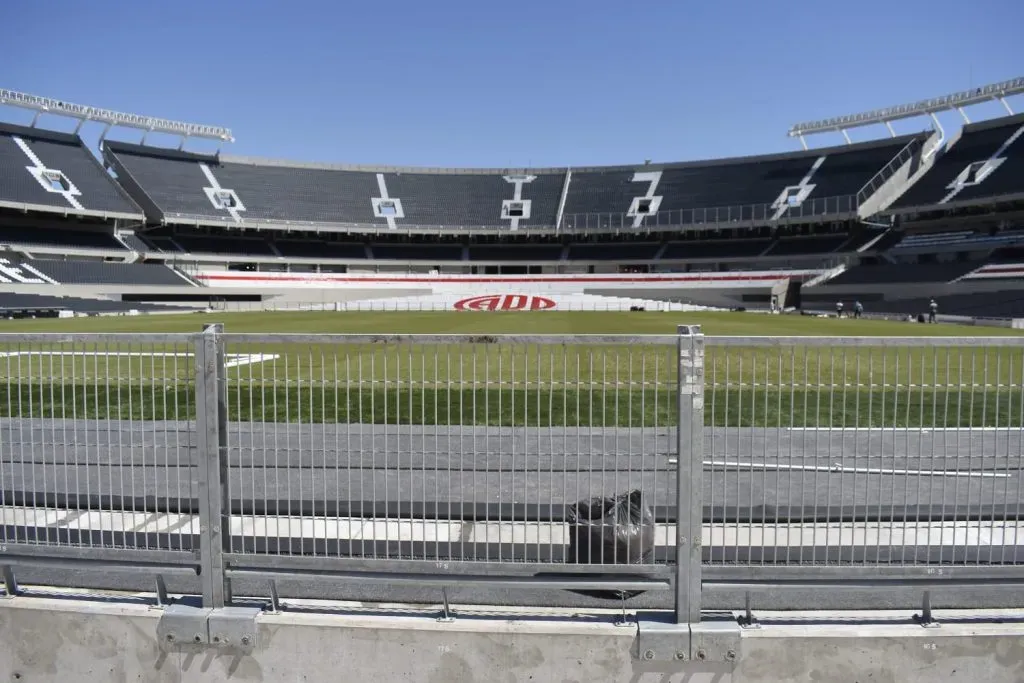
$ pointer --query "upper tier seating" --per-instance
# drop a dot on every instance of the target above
(76, 182)
(834, 172)
(183, 187)
(173, 185)
(978, 143)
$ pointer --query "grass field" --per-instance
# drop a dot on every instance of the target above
(488, 383)
(736, 324)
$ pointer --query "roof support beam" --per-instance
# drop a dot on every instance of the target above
(47, 105)
(987, 93)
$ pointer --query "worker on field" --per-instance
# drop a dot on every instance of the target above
(858, 309)
(933, 311)
(839, 309)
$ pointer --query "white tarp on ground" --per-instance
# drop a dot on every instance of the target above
(511, 284)
(491, 302)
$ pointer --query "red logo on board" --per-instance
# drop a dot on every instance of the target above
(505, 302)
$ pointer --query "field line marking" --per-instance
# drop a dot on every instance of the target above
(231, 360)
(843, 469)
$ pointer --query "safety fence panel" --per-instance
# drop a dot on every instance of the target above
(862, 454)
(97, 448)
(453, 449)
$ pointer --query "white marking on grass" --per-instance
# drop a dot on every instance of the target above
(231, 360)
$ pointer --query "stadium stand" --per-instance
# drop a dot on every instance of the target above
(247, 246)
(1009, 304)
(50, 171)
(184, 187)
(28, 235)
(321, 249)
(474, 199)
(788, 246)
(903, 273)
(985, 162)
(11, 305)
(178, 186)
(82, 272)
(171, 186)
(619, 251)
(833, 172)
(501, 252)
(135, 243)
(417, 252)
(795, 211)
(958, 240)
(715, 249)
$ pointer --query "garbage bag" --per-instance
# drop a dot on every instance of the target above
(616, 530)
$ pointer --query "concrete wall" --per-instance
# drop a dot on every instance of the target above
(47, 640)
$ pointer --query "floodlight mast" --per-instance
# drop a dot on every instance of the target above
(987, 93)
(148, 124)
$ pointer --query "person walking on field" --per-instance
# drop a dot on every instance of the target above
(839, 309)
(933, 310)
(858, 309)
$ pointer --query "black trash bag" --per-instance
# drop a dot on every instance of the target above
(618, 530)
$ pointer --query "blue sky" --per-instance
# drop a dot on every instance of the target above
(477, 83)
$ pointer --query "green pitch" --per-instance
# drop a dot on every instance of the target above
(505, 323)
(485, 383)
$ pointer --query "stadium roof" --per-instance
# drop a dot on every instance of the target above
(995, 91)
(85, 113)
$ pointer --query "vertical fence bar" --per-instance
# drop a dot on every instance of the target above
(689, 473)
(211, 446)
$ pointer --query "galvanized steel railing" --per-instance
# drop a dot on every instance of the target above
(758, 463)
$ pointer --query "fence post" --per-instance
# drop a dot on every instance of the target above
(211, 446)
(689, 474)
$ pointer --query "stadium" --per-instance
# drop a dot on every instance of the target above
(357, 375)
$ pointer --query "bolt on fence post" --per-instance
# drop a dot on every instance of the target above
(689, 473)
(211, 445)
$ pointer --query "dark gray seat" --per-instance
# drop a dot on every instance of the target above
(59, 152)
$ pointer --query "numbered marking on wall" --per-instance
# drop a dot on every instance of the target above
(385, 206)
(648, 203)
(517, 208)
(794, 195)
(221, 197)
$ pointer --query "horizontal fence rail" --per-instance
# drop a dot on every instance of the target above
(583, 462)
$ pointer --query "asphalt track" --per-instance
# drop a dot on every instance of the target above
(815, 472)
(309, 467)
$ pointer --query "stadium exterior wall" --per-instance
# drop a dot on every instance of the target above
(58, 640)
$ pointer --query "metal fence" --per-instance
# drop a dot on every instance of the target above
(751, 462)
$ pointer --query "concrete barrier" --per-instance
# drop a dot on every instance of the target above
(60, 639)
